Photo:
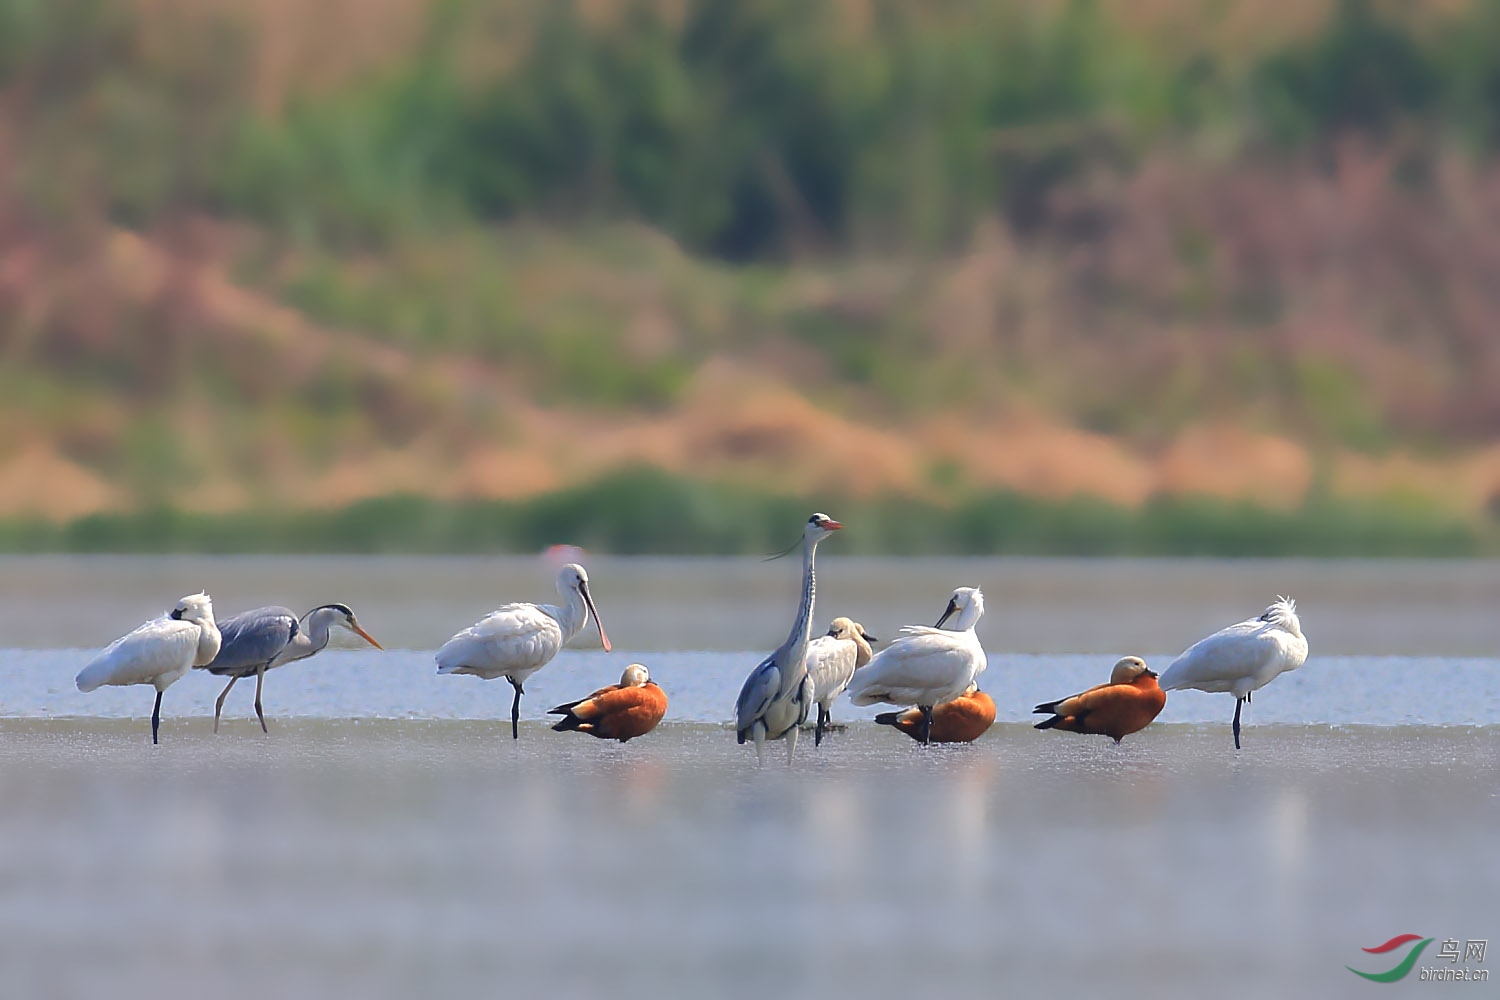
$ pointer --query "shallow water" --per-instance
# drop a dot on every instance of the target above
(397, 859)
(388, 839)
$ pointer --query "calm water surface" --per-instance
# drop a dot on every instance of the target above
(388, 838)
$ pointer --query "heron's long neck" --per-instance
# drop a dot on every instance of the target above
(315, 636)
(795, 646)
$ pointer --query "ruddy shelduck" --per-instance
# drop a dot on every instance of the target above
(962, 720)
(621, 711)
(1125, 705)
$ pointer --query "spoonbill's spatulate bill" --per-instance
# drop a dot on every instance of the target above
(517, 640)
(1125, 705)
(962, 720)
(621, 711)
(1242, 658)
(259, 640)
(778, 693)
(926, 666)
(831, 662)
(158, 652)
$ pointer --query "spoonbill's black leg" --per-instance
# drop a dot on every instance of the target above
(1238, 702)
(156, 718)
(515, 709)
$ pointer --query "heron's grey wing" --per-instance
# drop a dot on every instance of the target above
(756, 696)
(253, 638)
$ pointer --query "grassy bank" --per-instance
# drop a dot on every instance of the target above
(645, 511)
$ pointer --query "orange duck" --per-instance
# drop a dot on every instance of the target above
(621, 711)
(1125, 705)
(962, 720)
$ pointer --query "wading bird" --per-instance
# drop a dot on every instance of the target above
(831, 662)
(158, 652)
(962, 720)
(926, 666)
(517, 640)
(621, 711)
(778, 693)
(1125, 705)
(1242, 658)
(259, 640)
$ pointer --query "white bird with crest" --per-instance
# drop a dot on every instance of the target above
(517, 640)
(158, 652)
(776, 696)
(1242, 658)
(831, 662)
(927, 666)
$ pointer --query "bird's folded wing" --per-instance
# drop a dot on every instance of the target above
(756, 696)
(159, 645)
(253, 638)
(1237, 651)
(519, 635)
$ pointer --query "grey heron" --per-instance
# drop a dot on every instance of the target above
(778, 693)
(260, 640)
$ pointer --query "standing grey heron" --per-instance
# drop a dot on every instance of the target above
(259, 640)
(831, 662)
(778, 693)
(927, 666)
(517, 640)
(158, 652)
(1242, 658)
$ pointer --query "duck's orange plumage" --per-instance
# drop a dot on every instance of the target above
(1125, 705)
(621, 711)
(962, 720)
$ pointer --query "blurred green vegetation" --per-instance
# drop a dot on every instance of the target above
(746, 130)
(1057, 208)
(648, 511)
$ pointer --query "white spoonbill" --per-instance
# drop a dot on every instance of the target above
(831, 662)
(1242, 658)
(778, 693)
(256, 641)
(158, 652)
(926, 666)
(517, 640)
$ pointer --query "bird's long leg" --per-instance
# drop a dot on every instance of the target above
(791, 744)
(219, 705)
(926, 724)
(515, 709)
(260, 680)
(156, 718)
(1247, 696)
(818, 731)
(1238, 702)
(758, 731)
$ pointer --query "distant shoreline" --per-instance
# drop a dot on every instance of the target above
(649, 512)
